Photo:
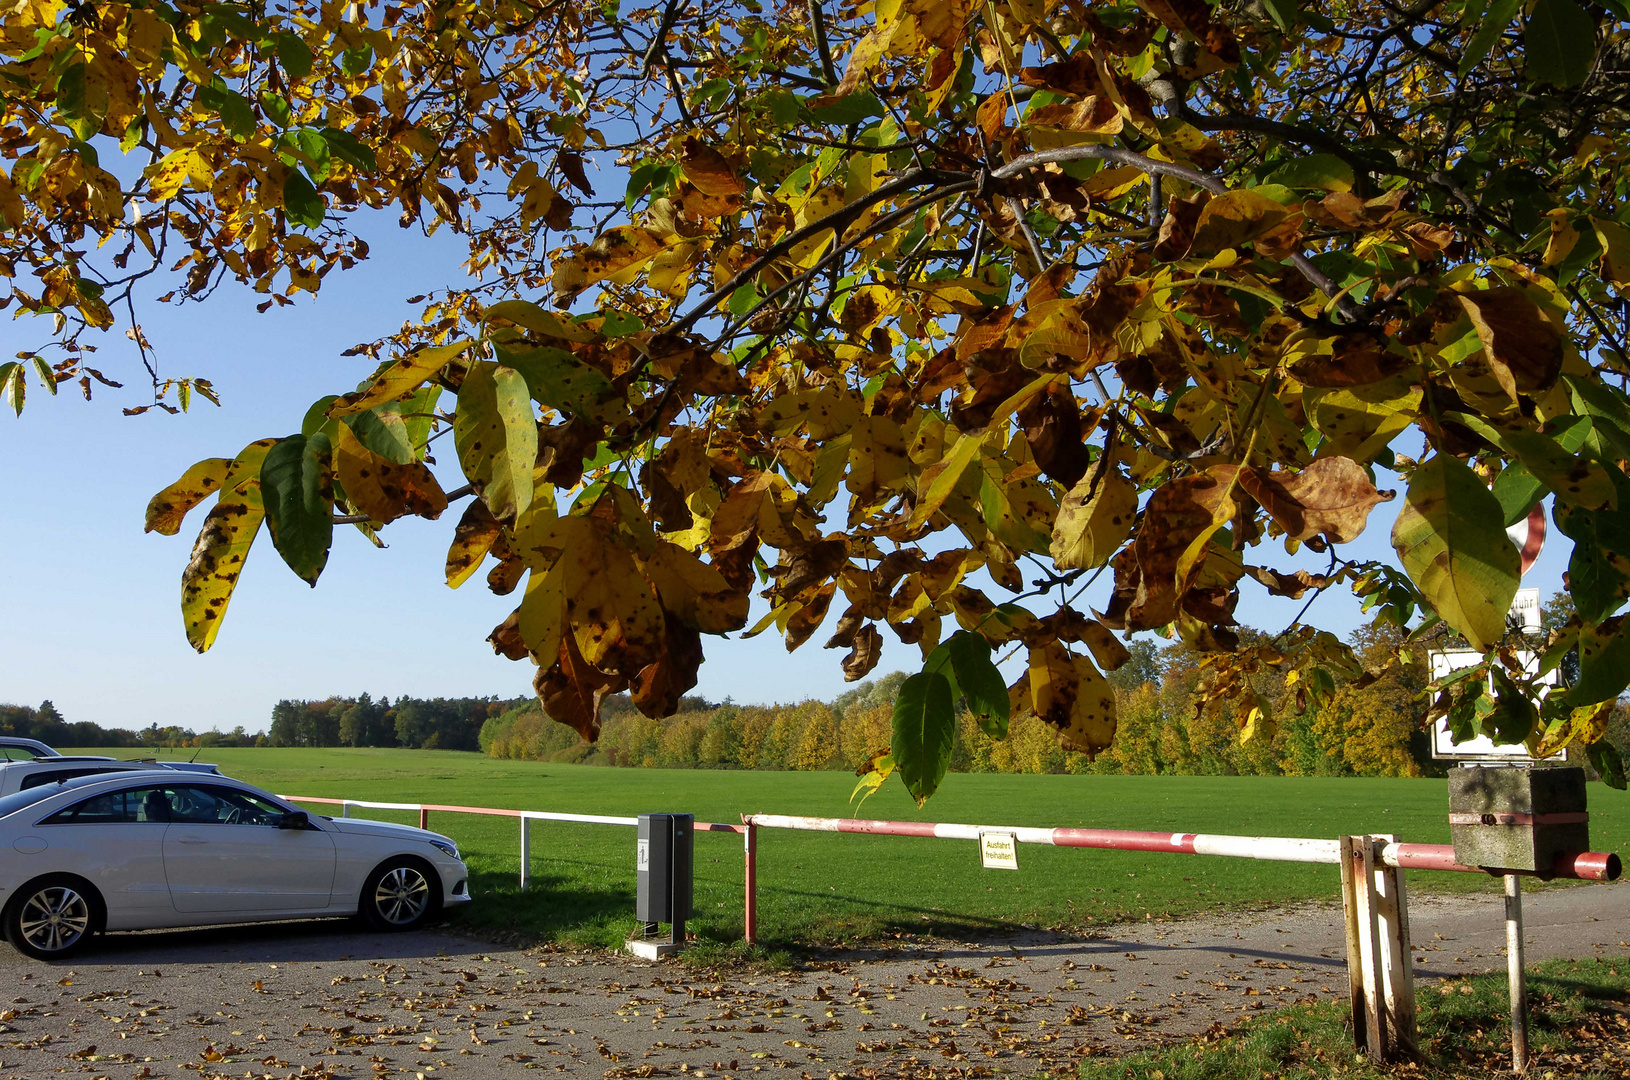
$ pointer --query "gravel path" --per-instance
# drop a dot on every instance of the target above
(323, 1000)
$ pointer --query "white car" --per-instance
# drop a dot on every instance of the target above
(153, 849)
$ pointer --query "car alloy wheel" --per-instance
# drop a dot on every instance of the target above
(53, 920)
(402, 896)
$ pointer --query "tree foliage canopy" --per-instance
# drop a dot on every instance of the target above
(871, 306)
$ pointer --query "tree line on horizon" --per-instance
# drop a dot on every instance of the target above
(1362, 727)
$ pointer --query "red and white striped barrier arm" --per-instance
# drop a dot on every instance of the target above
(1590, 866)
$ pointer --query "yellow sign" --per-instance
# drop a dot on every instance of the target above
(999, 850)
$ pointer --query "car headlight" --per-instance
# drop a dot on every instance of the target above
(447, 846)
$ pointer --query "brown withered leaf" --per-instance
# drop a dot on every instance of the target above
(864, 654)
(1522, 346)
(807, 619)
(1053, 426)
(1332, 498)
(506, 637)
(1291, 585)
(660, 684)
(1176, 514)
(849, 624)
(1091, 114)
(801, 567)
(705, 167)
(571, 691)
(1357, 358)
(1177, 227)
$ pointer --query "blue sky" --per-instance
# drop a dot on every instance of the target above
(90, 616)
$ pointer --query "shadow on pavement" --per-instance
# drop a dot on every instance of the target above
(306, 941)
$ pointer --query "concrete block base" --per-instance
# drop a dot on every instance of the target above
(652, 950)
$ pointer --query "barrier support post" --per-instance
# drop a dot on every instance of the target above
(1397, 960)
(1516, 982)
(526, 853)
(345, 809)
(750, 876)
(1380, 974)
(424, 818)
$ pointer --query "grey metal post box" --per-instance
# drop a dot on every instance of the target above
(1517, 817)
(664, 862)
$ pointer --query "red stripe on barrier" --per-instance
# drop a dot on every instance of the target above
(1125, 840)
(488, 810)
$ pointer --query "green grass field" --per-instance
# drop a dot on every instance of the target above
(817, 888)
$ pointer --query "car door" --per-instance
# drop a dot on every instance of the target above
(117, 839)
(224, 854)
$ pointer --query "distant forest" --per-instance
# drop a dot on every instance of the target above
(420, 723)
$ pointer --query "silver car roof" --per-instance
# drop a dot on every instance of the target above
(33, 746)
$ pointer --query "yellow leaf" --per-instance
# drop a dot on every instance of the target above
(178, 167)
(625, 248)
(400, 380)
(223, 544)
(381, 488)
(167, 509)
(1095, 518)
(695, 593)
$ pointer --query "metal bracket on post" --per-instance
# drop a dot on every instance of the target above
(1379, 965)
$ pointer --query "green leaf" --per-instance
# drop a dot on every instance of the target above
(47, 377)
(294, 55)
(276, 108)
(1514, 715)
(980, 681)
(924, 728)
(1452, 544)
(1599, 566)
(15, 388)
(1604, 758)
(1494, 22)
(1517, 491)
(314, 149)
(381, 430)
(317, 418)
(297, 487)
(560, 380)
(237, 116)
(301, 200)
(1576, 481)
(1324, 171)
(1560, 43)
(351, 150)
(71, 93)
(1604, 664)
(1283, 13)
(496, 435)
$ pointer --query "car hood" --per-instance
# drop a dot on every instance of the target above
(358, 826)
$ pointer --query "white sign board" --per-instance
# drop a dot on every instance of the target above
(999, 851)
(1481, 748)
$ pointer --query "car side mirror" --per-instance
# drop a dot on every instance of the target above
(294, 819)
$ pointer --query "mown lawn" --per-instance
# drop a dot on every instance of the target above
(819, 888)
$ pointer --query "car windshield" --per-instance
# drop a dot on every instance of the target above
(10, 804)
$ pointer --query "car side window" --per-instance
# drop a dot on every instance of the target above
(201, 804)
(139, 806)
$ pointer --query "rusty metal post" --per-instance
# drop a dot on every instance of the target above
(424, 818)
(750, 874)
(1514, 973)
